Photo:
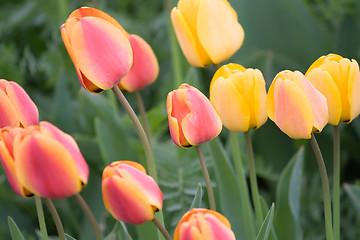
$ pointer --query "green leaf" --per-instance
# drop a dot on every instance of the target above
(266, 225)
(286, 219)
(353, 192)
(68, 237)
(198, 197)
(14, 230)
(147, 230)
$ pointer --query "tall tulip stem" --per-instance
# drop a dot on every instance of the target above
(253, 180)
(336, 184)
(207, 178)
(325, 187)
(141, 132)
(161, 228)
(40, 213)
(89, 215)
(56, 218)
(140, 104)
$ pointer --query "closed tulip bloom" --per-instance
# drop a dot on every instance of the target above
(42, 160)
(192, 118)
(338, 79)
(208, 31)
(295, 105)
(145, 67)
(16, 107)
(129, 194)
(239, 96)
(99, 48)
(206, 224)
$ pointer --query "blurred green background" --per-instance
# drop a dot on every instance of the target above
(279, 34)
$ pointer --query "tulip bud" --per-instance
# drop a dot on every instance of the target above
(16, 107)
(145, 67)
(208, 31)
(99, 48)
(295, 105)
(239, 96)
(129, 194)
(42, 160)
(338, 79)
(201, 223)
(192, 118)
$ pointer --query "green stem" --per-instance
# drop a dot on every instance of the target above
(244, 194)
(336, 186)
(40, 213)
(142, 111)
(325, 187)
(253, 180)
(143, 138)
(56, 218)
(161, 228)
(207, 178)
(89, 215)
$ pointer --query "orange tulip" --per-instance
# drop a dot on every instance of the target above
(145, 67)
(192, 118)
(129, 194)
(16, 107)
(99, 48)
(206, 224)
(295, 105)
(42, 160)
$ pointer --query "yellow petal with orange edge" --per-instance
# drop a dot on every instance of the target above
(354, 90)
(259, 100)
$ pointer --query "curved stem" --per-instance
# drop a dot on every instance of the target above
(143, 138)
(56, 218)
(40, 213)
(336, 186)
(161, 228)
(89, 215)
(207, 178)
(325, 187)
(253, 180)
(142, 112)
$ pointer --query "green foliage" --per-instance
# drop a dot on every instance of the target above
(14, 230)
(266, 225)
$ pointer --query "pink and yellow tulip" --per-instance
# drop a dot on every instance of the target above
(208, 31)
(99, 48)
(129, 194)
(206, 224)
(239, 96)
(145, 67)
(42, 160)
(192, 118)
(16, 107)
(295, 105)
(338, 79)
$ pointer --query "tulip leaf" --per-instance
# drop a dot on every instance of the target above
(266, 225)
(353, 192)
(147, 230)
(14, 230)
(68, 237)
(229, 194)
(197, 199)
(286, 219)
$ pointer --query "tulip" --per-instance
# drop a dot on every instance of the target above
(338, 79)
(16, 107)
(295, 105)
(129, 194)
(42, 160)
(99, 48)
(208, 31)
(145, 67)
(192, 118)
(239, 96)
(201, 223)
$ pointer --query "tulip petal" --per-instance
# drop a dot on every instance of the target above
(8, 116)
(188, 232)
(97, 45)
(218, 229)
(354, 90)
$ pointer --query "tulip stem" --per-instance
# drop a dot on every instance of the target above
(253, 180)
(336, 186)
(56, 218)
(142, 111)
(40, 213)
(207, 178)
(89, 215)
(161, 228)
(325, 187)
(143, 138)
